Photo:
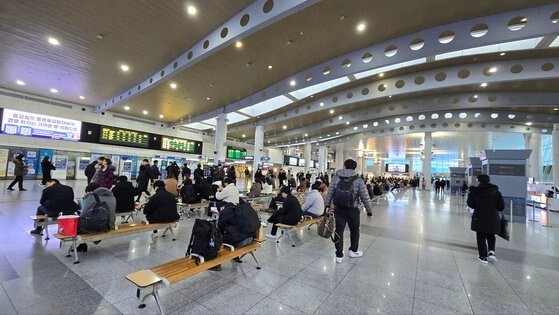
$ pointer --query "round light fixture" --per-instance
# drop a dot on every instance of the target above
(124, 68)
(145, 112)
(173, 85)
(19, 82)
(54, 91)
(239, 44)
(126, 107)
(191, 10)
(53, 41)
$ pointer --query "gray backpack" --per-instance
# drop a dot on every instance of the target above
(96, 219)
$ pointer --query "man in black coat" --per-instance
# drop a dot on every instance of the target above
(487, 202)
(162, 206)
(229, 227)
(198, 173)
(124, 193)
(56, 198)
(290, 213)
(144, 175)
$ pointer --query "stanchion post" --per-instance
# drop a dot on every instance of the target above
(511, 206)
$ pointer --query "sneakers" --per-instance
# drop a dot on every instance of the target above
(339, 260)
(482, 260)
(264, 224)
(271, 236)
(356, 254)
(491, 256)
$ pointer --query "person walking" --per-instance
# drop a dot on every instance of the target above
(144, 176)
(345, 192)
(20, 169)
(487, 202)
(47, 167)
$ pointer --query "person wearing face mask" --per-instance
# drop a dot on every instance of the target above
(228, 192)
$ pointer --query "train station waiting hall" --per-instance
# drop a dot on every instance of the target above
(279, 157)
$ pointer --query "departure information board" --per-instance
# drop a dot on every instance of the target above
(111, 135)
(180, 145)
(236, 153)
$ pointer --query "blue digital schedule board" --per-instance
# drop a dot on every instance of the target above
(15, 122)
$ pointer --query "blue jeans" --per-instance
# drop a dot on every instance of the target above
(308, 214)
(245, 242)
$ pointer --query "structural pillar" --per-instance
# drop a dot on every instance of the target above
(322, 158)
(410, 160)
(360, 163)
(220, 139)
(427, 146)
(533, 141)
(308, 151)
(258, 148)
(339, 156)
(555, 148)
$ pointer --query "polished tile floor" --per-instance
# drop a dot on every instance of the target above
(420, 258)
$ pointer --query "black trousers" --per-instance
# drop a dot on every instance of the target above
(19, 181)
(274, 218)
(485, 242)
(351, 217)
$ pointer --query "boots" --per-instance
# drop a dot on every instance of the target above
(37, 231)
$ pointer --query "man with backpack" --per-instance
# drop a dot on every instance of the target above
(346, 191)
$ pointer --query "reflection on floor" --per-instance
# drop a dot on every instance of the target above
(419, 258)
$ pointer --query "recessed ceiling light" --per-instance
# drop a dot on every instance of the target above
(270, 67)
(208, 98)
(191, 10)
(244, 136)
(100, 36)
(381, 74)
(19, 82)
(331, 111)
(124, 68)
(337, 132)
(126, 107)
(328, 135)
(484, 84)
(239, 44)
(284, 127)
(268, 141)
(145, 112)
(306, 135)
(492, 70)
(524, 20)
(341, 117)
(556, 108)
(173, 85)
(389, 96)
(528, 124)
(502, 54)
(347, 122)
(53, 41)
(321, 104)
(292, 82)
(361, 27)
(475, 96)
(54, 91)
(82, 97)
(161, 116)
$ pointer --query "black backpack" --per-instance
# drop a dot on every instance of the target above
(247, 219)
(95, 220)
(344, 195)
(188, 194)
(205, 240)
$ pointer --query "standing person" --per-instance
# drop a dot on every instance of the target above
(232, 174)
(247, 177)
(155, 173)
(345, 192)
(487, 202)
(308, 176)
(105, 176)
(19, 170)
(124, 193)
(198, 173)
(91, 169)
(186, 172)
(47, 167)
(144, 176)
(282, 178)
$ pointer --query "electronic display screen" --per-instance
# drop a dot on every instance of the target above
(20, 123)
(301, 162)
(112, 135)
(180, 145)
(397, 168)
(236, 153)
(293, 161)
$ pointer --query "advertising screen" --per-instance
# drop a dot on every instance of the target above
(293, 161)
(112, 135)
(180, 145)
(301, 162)
(396, 168)
(20, 123)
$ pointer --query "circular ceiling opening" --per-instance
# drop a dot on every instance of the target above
(367, 57)
(446, 37)
(390, 51)
(417, 44)
(479, 30)
(517, 23)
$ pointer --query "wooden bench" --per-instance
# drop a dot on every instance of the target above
(43, 221)
(307, 222)
(125, 229)
(189, 208)
(127, 215)
(148, 282)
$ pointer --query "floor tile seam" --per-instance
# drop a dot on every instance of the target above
(216, 311)
(273, 298)
(8, 296)
(416, 267)
(513, 289)
(440, 304)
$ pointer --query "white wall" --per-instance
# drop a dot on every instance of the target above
(276, 155)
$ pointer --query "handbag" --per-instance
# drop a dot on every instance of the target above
(504, 233)
(326, 226)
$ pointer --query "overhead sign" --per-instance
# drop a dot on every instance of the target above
(265, 158)
(20, 123)
(180, 145)
(111, 135)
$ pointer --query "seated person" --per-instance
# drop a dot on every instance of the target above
(267, 187)
(256, 188)
(291, 182)
(290, 213)
(273, 203)
(323, 190)
(377, 191)
(188, 192)
(228, 192)
(370, 191)
(56, 198)
(162, 206)
(105, 195)
(203, 189)
(229, 227)
(302, 186)
(171, 184)
(314, 205)
(124, 193)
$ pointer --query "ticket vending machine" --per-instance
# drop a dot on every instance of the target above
(474, 170)
(125, 167)
(457, 177)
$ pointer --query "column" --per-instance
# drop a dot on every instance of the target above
(308, 151)
(258, 148)
(410, 163)
(360, 162)
(427, 147)
(555, 148)
(322, 158)
(220, 138)
(339, 156)
(533, 141)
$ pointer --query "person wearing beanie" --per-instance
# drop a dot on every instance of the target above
(162, 206)
(290, 213)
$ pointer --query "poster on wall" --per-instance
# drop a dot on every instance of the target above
(115, 160)
(61, 164)
(31, 162)
(71, 170)
(20, 123)
(42, 154)
(3, 162)
(81, 163)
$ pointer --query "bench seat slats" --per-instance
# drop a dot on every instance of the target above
(306, 222)
(122, 229)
